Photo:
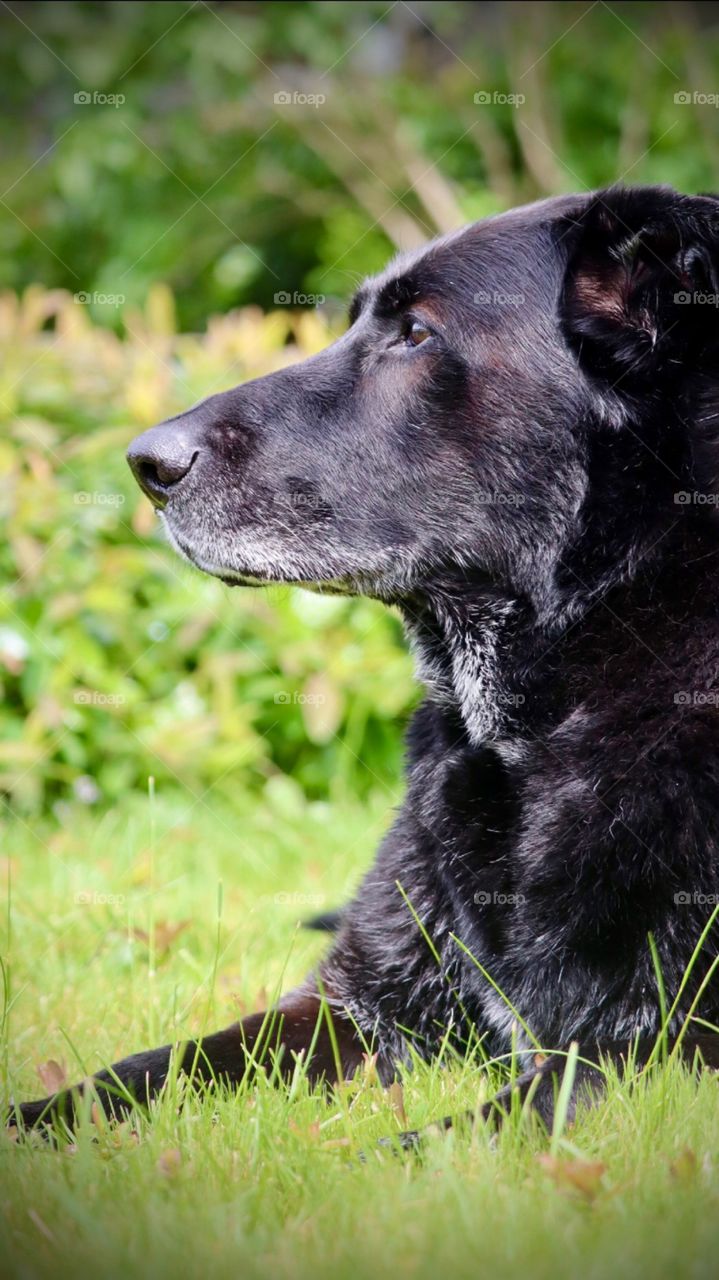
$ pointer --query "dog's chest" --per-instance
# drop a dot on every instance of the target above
(467, 801)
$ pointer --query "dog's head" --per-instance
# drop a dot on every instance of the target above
(495, 395)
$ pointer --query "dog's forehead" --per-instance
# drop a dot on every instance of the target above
(518, 227)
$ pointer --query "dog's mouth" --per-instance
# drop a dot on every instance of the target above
(329, 586)
(333, 587)
(255, 576)
(231, 577)
(244, 579)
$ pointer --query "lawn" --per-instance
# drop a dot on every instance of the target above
(162, 918)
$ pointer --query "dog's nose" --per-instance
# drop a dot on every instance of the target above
(160, 458)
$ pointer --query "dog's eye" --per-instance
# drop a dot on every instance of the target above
(417, 333)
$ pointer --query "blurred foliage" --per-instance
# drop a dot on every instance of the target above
(153, 164)
(116, 661)
(198, 177)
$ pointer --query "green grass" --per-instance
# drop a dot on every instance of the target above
(271, 1182)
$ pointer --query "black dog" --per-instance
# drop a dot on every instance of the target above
(515, 443)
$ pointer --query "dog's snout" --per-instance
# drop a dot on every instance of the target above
(160, 458)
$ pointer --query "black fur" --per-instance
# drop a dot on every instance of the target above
(516, 444)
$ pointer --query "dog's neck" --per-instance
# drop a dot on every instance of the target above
(467, 646)
(499, 659)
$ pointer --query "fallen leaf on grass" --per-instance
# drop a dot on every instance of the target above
(311, 1131)
(52, 1074)
(165, 934)
(395, 1094)
(581, 1176)
(97, 1115)
(684, 1168)
(330, 1143)
(123, 1135)
(169, 1162)
(259, 1001)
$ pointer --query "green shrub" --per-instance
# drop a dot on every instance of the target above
(188, 170)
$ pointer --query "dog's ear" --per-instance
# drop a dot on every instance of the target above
(641, 295)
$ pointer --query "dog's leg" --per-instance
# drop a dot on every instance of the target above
(541, 1083)
(298, 1024)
